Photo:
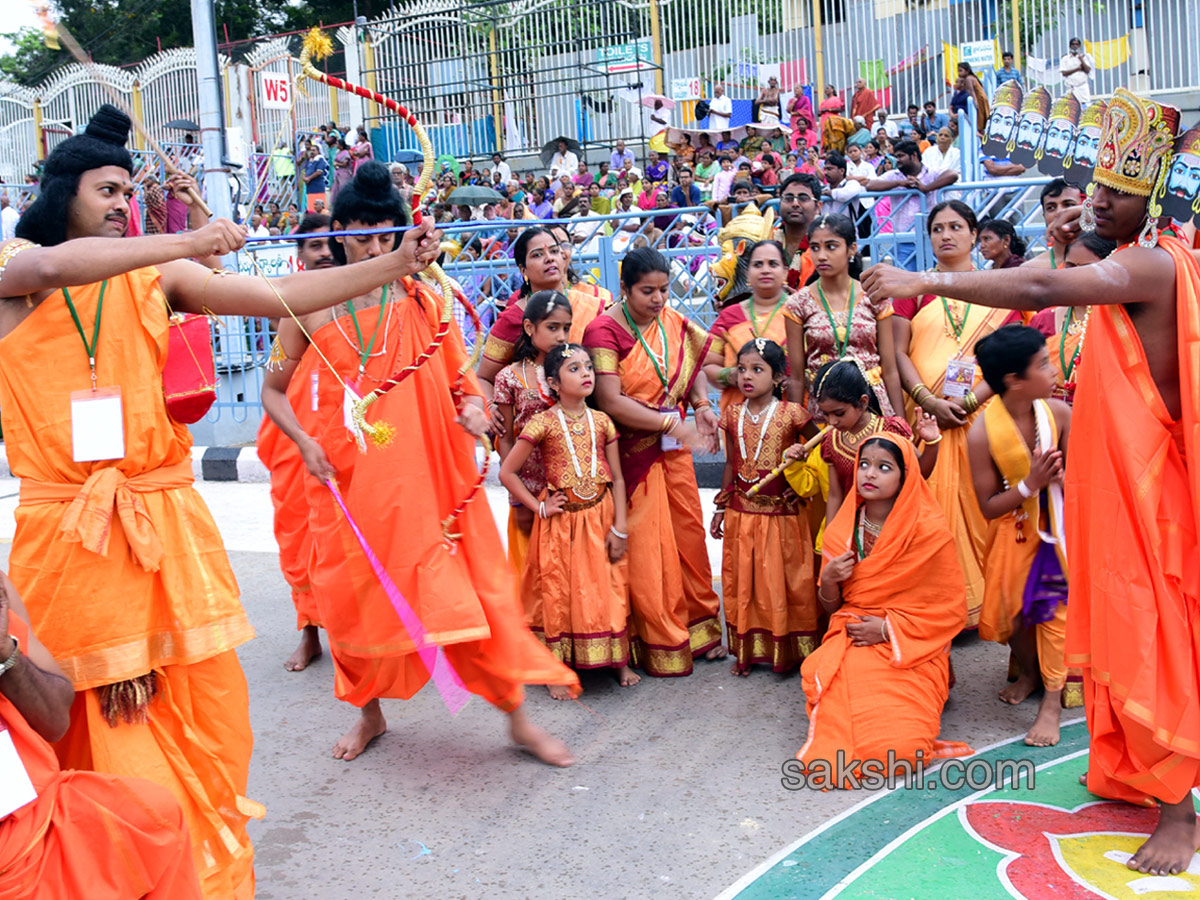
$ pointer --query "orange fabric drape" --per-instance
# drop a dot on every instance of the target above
(866, 701)
(464, 594)
(931, 348)
(1132, 530)
(89, 835)
(282, 458)
(123, 571)
(731, 331)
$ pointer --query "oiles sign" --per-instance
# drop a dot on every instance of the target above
(276, 91)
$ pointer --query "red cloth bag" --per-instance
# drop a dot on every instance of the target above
(189, 374)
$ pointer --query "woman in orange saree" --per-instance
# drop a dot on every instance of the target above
(935, 338)
(647, 358)
(877, 684)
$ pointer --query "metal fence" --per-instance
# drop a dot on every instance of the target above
(687, 237)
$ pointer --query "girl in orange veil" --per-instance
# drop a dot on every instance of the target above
(896, 596)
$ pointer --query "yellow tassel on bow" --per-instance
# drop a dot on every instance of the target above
(317, 44)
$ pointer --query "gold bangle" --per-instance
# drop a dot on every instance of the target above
(970, 402)
(937, 440)
(669, 423)
(916, 389)
(204, 290)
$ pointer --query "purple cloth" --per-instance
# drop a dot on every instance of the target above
(1045, 588)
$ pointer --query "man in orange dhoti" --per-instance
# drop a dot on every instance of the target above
(283, 460)
(1134, 477)
(403, 496)
(49, 846)
(116, 555)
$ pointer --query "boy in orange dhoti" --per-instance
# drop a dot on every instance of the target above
(48, 845)
(1134, 480)
(282, 458)
(401, 496)
(1017, 451)
(116, 555)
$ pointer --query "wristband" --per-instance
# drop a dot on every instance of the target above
(1025, 490)
(613, 530)
(937, 440)
(542, 509)
(12, 659)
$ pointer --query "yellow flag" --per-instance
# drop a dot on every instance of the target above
(950, 58)
(1109, 54)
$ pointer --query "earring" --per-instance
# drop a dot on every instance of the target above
(1087, 218)
(1149, 236)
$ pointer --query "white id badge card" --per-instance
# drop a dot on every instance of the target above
(97, 425)
(316, 386)
(16, 790)
(960, 378)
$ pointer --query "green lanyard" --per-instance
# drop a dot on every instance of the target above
(365, 353)
(1067, 368)
(956, 327)
(839, 344)
(642, 340)
(858, 538)
(91, 350)
(771, 318)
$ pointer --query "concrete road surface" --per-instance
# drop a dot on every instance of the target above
(676, 793)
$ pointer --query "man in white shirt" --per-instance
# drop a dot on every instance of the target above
(563, 162)
(1076, 68)
(840, 198)
(8, 219)
(890, 128)
(943, 156)
(499, 165)
(720, 110)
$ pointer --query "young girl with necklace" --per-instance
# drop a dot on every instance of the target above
(771, 613)
(832, 319)
(520, 392)
(852, 411)
(574, 585)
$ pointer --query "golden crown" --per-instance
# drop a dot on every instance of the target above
(1093, 116)
(1037, 101)
(1008, 94)
(1066, 107)
(1135, 140)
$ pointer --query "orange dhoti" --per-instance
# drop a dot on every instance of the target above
(282, 458)
(124, 573)
(463, 591)
(867, 702)
(1132, 531)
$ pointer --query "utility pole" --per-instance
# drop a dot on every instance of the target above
(212, 130)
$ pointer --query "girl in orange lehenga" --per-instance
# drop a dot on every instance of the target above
(771, 613)
(572, 576)
(519, 394)
(934, 340)
(647, 358)
(892, 584)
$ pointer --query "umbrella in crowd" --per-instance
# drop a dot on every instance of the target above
(473, 195)
(182, 125)
(551, 148)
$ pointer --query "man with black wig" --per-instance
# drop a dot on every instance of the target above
(116, 556)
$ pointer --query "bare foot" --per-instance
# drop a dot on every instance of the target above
(369, 726)
(1176, 837)
(717, 652)
(559, 692)
(738, 669)
(1019, 690)
(1044, 731)
(1083, 779)
(309, 649)
(549, 750)
(626, 677)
